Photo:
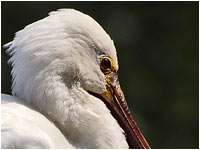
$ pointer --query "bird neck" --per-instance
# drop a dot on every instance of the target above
(84, 119)
(86, 122)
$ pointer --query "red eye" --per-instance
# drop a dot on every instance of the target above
(105, 64)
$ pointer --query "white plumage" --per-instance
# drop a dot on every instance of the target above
(55, 62)
(23, 127)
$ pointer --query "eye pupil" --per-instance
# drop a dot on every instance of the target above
(105, 64)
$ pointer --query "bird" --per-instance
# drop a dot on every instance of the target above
(65, 89)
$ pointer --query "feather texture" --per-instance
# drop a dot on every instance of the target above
(55, 62)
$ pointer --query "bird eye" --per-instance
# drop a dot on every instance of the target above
(105, 65)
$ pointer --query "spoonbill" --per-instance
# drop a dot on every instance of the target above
(65, 88)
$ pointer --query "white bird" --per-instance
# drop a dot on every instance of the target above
(65, 89)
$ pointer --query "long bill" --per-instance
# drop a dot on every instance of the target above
(114, 99)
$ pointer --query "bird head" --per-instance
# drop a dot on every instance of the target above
(65, 51)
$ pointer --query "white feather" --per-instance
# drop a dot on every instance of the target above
(55, 62)
(23, 127)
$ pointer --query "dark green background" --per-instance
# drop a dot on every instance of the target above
(157, 44)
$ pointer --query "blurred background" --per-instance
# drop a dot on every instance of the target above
(158, 49)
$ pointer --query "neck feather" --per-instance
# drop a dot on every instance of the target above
(84, 119)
